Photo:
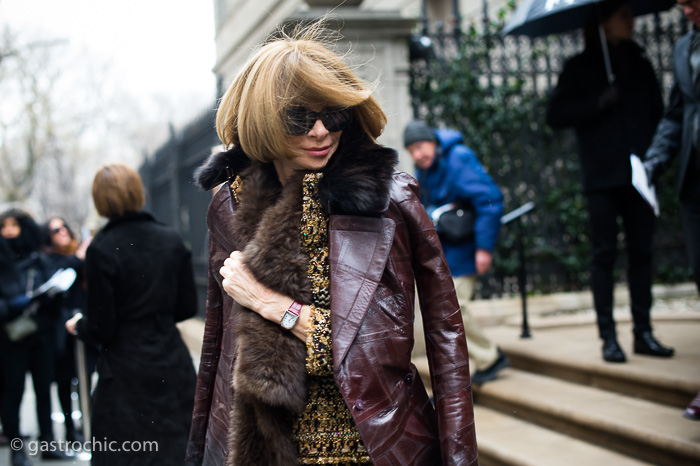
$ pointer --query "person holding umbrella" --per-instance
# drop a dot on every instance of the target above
(610, 95)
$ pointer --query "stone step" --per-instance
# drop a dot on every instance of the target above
(573, 353)
(506, 440)
(634, 427)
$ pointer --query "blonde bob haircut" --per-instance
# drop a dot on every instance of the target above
(117, 189)
(298, 69)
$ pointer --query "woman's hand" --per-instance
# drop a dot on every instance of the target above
(80, 253)
(240, 284)
(70, 324)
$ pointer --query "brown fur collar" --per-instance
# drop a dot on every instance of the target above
(269, 374)
(356, 180)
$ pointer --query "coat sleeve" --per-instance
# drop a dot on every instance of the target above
(668, 137)
(208, 365)
(470, 181)
(98, 325)
(186, 304)
(446, 345)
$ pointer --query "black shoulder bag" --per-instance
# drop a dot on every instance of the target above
(454, 222)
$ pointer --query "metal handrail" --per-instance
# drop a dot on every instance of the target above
(522, 274)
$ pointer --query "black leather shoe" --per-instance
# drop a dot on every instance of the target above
(612, 351)
(19, 458)
(490, 373)
(645, 343)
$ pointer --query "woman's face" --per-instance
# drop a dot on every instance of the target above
(620, 25)
(11, 228)
(312, 150)
(59, 233)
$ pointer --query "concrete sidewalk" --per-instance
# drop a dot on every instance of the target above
(562, 324)
(29, 427)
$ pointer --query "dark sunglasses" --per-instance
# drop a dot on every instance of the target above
(299, 120)
(56, 230)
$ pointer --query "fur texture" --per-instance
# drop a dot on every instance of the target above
(269, 374)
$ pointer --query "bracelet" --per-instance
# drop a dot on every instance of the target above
(291, 315)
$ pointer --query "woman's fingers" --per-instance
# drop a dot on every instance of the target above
(238, 282)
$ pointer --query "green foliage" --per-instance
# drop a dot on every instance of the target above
(502, 119)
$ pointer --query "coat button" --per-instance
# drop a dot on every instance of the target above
(359, 405)
(408, 379)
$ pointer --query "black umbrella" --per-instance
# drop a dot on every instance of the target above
(534, 18)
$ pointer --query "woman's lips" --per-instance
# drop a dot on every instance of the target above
(318, 151)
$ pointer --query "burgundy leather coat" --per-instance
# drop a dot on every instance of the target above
(377, 252)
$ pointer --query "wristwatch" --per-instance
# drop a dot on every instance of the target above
(291, 315)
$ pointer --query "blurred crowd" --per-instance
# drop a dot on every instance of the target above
(72, 305)
(34, 340)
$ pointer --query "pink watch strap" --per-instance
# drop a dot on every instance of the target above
(295, 308)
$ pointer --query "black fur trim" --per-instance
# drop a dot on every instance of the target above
(213, 172)
(356, 180)
(358, 177)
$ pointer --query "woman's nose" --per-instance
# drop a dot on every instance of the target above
(318, 130)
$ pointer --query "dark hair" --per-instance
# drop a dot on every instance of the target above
(46, 230)
(597, 13)
(29, 239)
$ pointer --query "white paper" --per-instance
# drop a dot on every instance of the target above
(642, 184)
(58, 283)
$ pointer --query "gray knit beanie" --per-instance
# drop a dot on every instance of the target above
(416, 131)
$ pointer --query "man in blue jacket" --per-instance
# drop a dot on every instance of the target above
(449, 172)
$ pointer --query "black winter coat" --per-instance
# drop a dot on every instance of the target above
(140, 283)
(606, 138)
(22, 268)
(675, 135)
(14, 280)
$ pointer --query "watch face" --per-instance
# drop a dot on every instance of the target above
(288, 320)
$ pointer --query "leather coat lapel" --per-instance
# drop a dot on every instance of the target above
(218, 227)
(359, 250)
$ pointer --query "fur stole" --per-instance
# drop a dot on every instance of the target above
(269, 374)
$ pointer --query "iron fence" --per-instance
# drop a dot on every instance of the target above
(494, 89)
(172, 196)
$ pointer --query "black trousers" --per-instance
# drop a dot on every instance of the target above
(690, 213)
(36, 356)
(605, 207)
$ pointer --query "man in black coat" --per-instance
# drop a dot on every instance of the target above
(678, 133)
(612, 121)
